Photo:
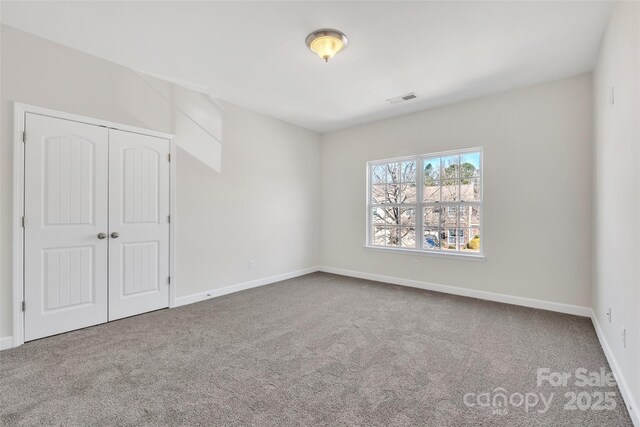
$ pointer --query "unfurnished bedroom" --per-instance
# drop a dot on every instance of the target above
(304, 213)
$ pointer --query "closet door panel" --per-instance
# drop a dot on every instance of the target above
(138, 223)
(65, 263)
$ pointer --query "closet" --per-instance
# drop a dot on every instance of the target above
(96, 224)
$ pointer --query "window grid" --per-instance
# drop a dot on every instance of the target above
(400, 231)
(434, 236)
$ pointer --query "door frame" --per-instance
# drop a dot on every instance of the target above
(19, 120)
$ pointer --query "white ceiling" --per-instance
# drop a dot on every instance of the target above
(253, 53)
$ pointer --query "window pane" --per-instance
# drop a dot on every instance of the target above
(475, 216)
(432, 215)
(470, 216)
(394, 193)
(379, 216)
(408, 216)
(451, 239)
(449, 216)
(393, 172)
(450, 167)
(431, 238)
(393, 216)
(408, 171)
(470, 165)
(394, 237)
(476, 189)
(378, 193)
(451, 211)
(431, 168)
(408, 237)
(470, 190)
(450, 189)
(471, 242)
(380, 235)
(378, 174)
(408, 194)
(431, 192)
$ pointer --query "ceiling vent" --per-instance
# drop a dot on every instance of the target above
(402, 98)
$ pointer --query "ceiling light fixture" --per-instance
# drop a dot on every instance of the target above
(326, 42)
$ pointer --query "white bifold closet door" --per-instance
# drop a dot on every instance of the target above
(65, 197)
(96, 242)
(138, 223)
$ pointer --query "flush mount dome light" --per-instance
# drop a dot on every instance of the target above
(326, 42)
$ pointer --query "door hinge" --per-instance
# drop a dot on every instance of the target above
(168, 218)
(24, 306)
(24, 136)
(169, 280)
(23, 222)
(169, 157)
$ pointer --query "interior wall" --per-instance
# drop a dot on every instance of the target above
(537, 191)
(252, 197)
(616, 274)
(264, 206)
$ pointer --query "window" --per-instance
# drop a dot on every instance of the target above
(393, 204)
(452, 236)
(428, 203)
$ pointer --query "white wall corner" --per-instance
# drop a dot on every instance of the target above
(631, 404)
(465, 292)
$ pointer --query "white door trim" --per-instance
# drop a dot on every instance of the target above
(19, 112)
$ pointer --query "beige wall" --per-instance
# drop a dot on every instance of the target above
(230, 198)
(616, 274)
(537, 191)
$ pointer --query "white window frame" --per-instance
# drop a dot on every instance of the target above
(419, 206)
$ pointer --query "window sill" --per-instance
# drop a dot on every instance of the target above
(470, 257)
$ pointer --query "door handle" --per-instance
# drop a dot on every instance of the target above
(102, 236)
(115, 235)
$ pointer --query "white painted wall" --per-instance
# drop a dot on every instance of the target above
(537, 191)
(263, 206)
(616, 273)
(231, 196)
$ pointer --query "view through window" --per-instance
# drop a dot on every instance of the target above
(429, 203)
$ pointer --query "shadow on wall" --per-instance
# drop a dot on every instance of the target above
(196, 119)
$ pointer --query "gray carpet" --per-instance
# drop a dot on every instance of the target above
(316, 350)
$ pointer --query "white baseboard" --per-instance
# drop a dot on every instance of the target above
(201, 296)
(6, 342)
(630, 403)
(490, 296)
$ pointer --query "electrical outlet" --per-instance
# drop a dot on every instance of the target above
(624, 337)
(416, 263)
(251, 264)
(609, 314)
